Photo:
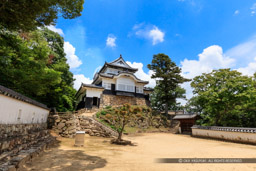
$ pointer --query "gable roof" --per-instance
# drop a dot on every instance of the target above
(119, 63)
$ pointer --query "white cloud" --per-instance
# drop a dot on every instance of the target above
(137, 26)
(142, 75)
(236, 12)
(211, 58)
(150, 32)
(241, 58)
(57, 30)
(111, 41)
(250, 69)
(156, 35)
(72, 59)
(80, 78)
(253, 9)
(243, 52)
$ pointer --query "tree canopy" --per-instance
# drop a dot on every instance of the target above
(225, 98)
(29, 14)
(34, 64)
(168, 76)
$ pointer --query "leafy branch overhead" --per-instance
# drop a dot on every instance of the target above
(35, 65)
(29, 14)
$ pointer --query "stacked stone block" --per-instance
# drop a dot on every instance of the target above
(67, 125)
(112, 100)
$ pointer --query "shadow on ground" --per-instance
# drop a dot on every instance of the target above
(65, 160)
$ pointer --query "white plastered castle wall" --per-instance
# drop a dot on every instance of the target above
(13, 111)
(125, 80)
(92, 92)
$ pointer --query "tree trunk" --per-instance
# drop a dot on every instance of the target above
(166, 108)
(120, 134)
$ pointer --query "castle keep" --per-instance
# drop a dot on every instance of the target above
(114, 85)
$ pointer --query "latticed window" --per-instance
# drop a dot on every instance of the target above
(130, 88)
(139, 89)
(124, 87)
(107, 86)
(121, 87)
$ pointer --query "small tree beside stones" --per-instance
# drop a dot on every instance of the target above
(120, 118)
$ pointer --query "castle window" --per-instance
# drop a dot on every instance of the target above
(107, 86)
(124, 87)
(139, 89)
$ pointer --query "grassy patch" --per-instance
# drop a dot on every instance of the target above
(106, 123)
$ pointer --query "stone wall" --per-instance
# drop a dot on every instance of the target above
(112, 100)
(19, 137)
(67, 125)
(13, 135)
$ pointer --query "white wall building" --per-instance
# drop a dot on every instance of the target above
(115, 78)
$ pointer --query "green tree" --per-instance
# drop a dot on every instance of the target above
(226, 98)
(120, 118)
(34, 64)
(23, 64)
(62, 94)
(29, 14)
(168, 76)
(158, 103)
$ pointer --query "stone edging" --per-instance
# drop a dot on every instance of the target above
(113, 132)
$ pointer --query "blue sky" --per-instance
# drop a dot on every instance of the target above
(199, 35)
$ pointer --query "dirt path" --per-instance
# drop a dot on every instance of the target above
(98, 154)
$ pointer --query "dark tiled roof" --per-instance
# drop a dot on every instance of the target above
(148, 89)
(120, 66)
(185, 116)
(106, 75)
(10, 93)
(121, 58)
(91, 86)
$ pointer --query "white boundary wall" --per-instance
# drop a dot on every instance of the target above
(13, 111)
(244, 135)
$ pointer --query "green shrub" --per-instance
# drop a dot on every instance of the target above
(108, 107)
(103, 112)
(97, 114)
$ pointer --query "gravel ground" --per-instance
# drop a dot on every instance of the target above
(98, 154)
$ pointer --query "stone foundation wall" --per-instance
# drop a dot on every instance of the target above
(15, 138)
(112, 100)
(67, 125)
(14, 135)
